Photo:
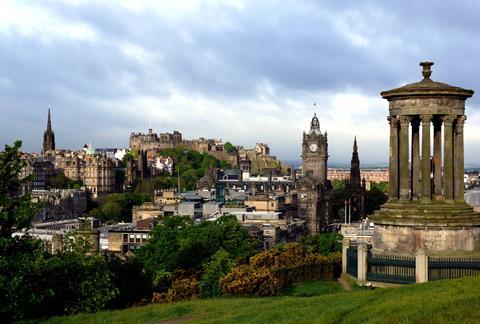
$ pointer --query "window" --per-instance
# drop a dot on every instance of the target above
(125, 237)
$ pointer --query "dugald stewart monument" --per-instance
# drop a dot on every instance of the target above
(426, 210)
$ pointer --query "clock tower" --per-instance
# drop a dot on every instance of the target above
(314, 190)
(315, 151)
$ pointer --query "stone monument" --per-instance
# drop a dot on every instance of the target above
(426, 210)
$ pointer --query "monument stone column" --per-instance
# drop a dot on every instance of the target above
(393, 171)
(426, 166)
(415, 170)
(448, 180)
(404, 178)
(437, 157)
(459, 159)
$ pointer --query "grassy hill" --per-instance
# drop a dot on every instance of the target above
(324, 302)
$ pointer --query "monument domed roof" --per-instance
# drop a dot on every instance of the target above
(427, 87)
(472, 197)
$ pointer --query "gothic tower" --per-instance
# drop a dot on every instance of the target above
(315, 151)
(355, 180)
(314, 190)
(48, 136)
(356, 187)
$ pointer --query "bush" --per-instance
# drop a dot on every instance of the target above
(219, 265)
(323, 244)
(286, 264)
(243, 280)
(183, 286)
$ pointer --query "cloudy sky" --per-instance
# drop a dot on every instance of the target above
(243, 71)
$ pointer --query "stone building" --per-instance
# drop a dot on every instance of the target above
(426, 210)
(48, 136)
(98, 175)
(60, 204)
(96, 171)
(314, 190)
(41, 168)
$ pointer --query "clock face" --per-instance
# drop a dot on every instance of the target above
(313, 147)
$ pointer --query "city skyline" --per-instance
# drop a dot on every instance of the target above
(242, 71)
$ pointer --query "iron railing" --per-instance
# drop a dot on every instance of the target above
(392, 269)
(352, 261)
(450, 268)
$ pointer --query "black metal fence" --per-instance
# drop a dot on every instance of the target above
(352, 261)
(450, 268)
(392, 269)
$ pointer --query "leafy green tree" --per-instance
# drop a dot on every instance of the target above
(16, 211)
(228, 147)
(112, 211)
(35, 284)
(219, 265)
(339, 185)
(382, 186)
(179, 244)
(323, 244)
(374, 198)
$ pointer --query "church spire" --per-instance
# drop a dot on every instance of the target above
(49, 122)
(48, 136)
(355, 179)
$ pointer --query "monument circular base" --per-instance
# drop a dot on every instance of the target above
(432, 240)
(434, 227)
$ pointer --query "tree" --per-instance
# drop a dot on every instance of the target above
(323, 244)
(112, 210)
(374, 198)
(228, 147)
(219, 265)
(180, 244)
(16, 211)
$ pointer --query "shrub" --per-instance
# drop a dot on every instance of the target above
(219, 265)
(277, 268)
(244, 281)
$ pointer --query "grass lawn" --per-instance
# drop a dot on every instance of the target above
(434, 302)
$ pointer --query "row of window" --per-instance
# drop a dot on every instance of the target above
(135, 238)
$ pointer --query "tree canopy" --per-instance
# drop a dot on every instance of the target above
(16, 210)
(180, 244)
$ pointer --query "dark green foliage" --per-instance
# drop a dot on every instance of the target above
(189, 165)
(36, 284)
(374, 198)
(132, 282)
(339, 185)
(324, 244)
(179, 244)
(218, 266)
(118, 206)
(340, 194)
(228, 147)
(382, 186)
(16, 211)
(60, 181)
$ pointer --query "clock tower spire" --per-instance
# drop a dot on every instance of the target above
(315, 151)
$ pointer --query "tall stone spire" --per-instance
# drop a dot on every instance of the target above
(48, 136)
(355, 180)
(49, 122)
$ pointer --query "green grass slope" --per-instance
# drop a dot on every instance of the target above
(436, 302)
